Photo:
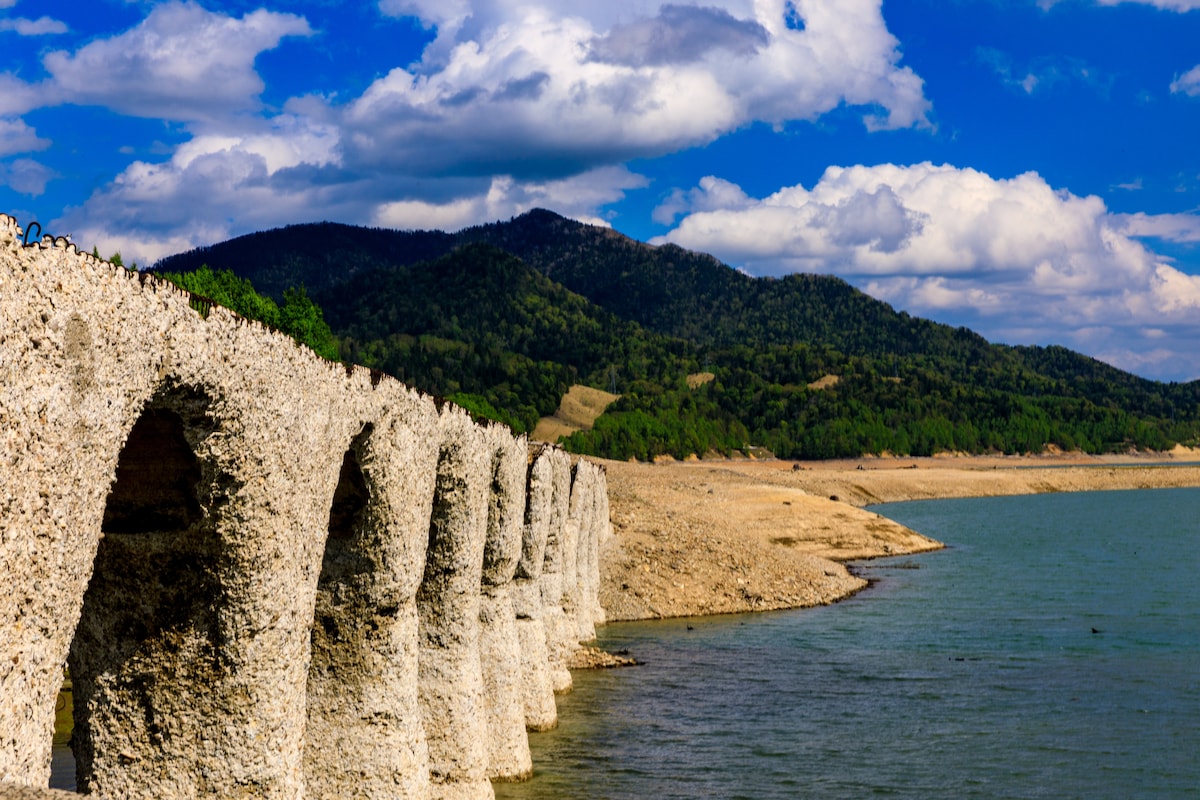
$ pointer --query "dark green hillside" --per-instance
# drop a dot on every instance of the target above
(316, 256)
(1105, 384)
(482, 295)
(665, 289)
(480, 325)
(528, 306)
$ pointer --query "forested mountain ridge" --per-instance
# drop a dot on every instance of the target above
(666, 289)
(482, 322)
(512, 312)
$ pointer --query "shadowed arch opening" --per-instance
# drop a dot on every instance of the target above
(346, 512)
(346, 563)
(157, 477)
(146, 645)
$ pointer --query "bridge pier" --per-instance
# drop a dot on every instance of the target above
(594, 532)
(541, 713)
(560, 634)
(61, 433)
(364, 734)
(578, 598)
(448, 603)
(500, 647)
(604, 532)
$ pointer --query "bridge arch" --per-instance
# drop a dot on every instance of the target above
(147, 648)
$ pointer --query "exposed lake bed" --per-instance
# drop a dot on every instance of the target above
(699, 538)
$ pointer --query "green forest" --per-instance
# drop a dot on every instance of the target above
(503, 318)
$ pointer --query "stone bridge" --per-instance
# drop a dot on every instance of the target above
(269, 575)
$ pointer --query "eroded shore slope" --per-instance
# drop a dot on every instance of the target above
(723, 537)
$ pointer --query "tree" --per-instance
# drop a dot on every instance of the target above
(299, 318)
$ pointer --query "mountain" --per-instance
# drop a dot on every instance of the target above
(508, 314)
(666, 289)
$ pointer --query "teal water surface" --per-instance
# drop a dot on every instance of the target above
(1052, 651)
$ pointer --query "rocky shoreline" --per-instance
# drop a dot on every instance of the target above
(698, 538)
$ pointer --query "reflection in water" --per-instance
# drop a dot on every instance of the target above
(62, 763)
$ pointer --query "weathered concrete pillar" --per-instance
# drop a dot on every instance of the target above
(365, 736)
(583, 512)
(541, 713)
(500, 647)
(560, 633)
(604, 534)
(448, 603)
(570, 566)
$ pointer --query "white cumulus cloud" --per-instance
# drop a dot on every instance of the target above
(1188, 83)
(505, 197)
(17, 96)
(26, 176)
(212, 187)
(553, 88)
(1171, 227)
(513, 105)
(1013, 257)
(180, 63)
(17, 137)
(217, 186)
(43, 26)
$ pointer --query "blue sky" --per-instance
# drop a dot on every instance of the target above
(1028, 169)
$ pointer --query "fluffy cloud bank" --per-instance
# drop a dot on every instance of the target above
(1013, 258)
(511, 105)
(551, 89)
(180, 63)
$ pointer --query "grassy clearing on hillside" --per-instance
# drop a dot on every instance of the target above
(825, 383)
(576, 412)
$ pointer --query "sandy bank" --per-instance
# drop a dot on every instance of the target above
(724, 537)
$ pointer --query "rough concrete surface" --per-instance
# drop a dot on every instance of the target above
(266, 571)
(537, 688)
(559, 630)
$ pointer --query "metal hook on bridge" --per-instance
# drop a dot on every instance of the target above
(29, 230)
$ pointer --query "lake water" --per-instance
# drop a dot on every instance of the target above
(1053, 651)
